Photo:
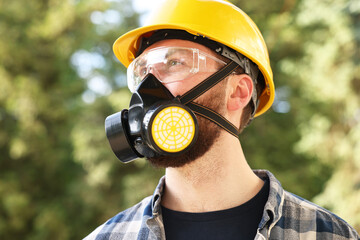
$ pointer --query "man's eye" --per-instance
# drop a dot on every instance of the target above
(142, 72)
(174, 62)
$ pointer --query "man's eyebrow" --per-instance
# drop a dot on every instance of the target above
(141, 62)
(177, 51)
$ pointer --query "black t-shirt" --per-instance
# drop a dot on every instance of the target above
(240, 222)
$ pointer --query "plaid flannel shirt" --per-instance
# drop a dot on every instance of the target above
(286, 216)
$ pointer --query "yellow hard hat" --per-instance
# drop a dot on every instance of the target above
(218, 20)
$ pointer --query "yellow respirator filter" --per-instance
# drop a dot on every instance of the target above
(173, 129)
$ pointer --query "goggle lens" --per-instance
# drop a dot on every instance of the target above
(170, 64)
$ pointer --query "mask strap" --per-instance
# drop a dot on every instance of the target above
(208, 83)
(204, 86)
(214, 117)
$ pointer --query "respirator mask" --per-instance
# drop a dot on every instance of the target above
(158, 123)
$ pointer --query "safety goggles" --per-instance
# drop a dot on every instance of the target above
(171, 64)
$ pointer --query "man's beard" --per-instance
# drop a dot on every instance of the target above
(208, 133)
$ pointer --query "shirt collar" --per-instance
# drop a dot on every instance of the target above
(273, 206)
(155, 203)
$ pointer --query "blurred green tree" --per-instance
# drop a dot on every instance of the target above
(332, 134)
(55, 163)
(59, 80)
(311, 139)
(277, 129)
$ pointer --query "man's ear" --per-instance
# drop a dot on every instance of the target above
(241, 88)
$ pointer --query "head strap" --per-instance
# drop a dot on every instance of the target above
(205, 85)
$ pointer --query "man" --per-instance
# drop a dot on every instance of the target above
(200, 72)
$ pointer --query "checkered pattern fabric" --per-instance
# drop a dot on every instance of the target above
(286, 216)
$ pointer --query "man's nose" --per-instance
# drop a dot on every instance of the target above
(172, 87)
(152, 69)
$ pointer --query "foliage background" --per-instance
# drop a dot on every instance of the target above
(59, 80)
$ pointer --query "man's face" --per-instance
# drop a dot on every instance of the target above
(213, 99)
(180, 87)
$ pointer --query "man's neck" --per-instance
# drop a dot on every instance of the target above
(221, 179)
